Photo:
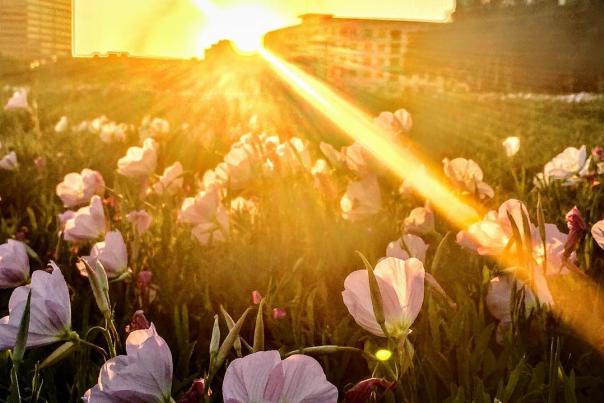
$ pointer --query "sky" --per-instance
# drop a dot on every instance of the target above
(184, 28)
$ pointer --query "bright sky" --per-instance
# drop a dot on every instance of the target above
(183, 28)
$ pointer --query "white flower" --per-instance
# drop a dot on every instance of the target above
(9, 162)
(62, 125)
(406, 247)
(171, 181)
(511, 145)
(50, 310)
(263, 377)
(144, 374)
(78, 188)
(420, 221)
(139, 161)
(14, 264)
(362, 199)
(566, 165)
(112, 132)
(467, 175)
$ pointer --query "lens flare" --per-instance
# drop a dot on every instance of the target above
(383, 355)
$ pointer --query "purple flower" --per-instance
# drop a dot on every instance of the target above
(577, 228)
(14, 264)
(264, 377)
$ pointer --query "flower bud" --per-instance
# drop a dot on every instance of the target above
(577, 228)
(196, 392)
(279, 313)
(362, 391)
(139, 321)
(256, 297)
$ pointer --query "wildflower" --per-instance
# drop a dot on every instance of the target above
(399, 122)
(467, 176)
(196, 392)
(335, 158)
(14, 264)
(86, 224)
(420, 221)
(365, 389)
(50, 310)
(171, 180)
(577, 228)
(112, 132)
(362, 199)
(256, 297)
(112, 254)
(78, 188)
(264, 377)
(155, 128)
(144, 374)
(401, 284)
(62, 125)
(140, 220)
(138, 322)
(406, 247)
(597, 232)
(511, 145)
(279, 313)
(17, 101)
(357, 159)
(139, 161)
(9, 162)
(566, 167)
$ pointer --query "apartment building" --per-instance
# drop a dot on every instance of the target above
(350, 53)
(35, 29)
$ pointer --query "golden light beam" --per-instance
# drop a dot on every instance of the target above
(585, 311)
(361, 127)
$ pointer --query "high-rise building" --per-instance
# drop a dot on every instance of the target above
(33, 29)
(351, 53)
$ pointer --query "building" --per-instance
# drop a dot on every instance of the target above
(35, 29)
(350, 53)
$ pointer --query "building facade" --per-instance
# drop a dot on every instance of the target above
(350, 53)
(36, 29)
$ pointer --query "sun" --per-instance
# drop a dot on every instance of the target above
(245, 24)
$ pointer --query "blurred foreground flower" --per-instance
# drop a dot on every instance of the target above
(50, 312)
(14, 264)
(86, 224)
(264, 377)
(144, 374)
(511, 145)
(597, 231)
(9, 162)
(401, 284)
(78, 188)
(139, 162)
(467, 176)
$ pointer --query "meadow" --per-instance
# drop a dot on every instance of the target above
(246, 245)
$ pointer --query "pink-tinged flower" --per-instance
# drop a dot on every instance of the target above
(171, 181)
(293, 155)
(9, 162)
(201, 208)
(40, 163)
(467, 176)
(566, 165)
(17, 101)
(86, 224)
(362, 199)
(139, 162)
(500, 293)
(62, 125)
(279, 313)
(138, 322)
(511, 145)
(323, 179)
(112, 254)
(50, 310)
(241, 205)
(144, 374)
(155, 128)
(14, 264)
(264, 377)
(399, 122)
(420, 221)
(78, 188)
(256, 297)
(239, 166)
(113, 132)
(357, 159)
(406, 247)
(363, 390)
(140, 220)
(215, 230)
(401, 284)
(597, 232)
(577, 228)
(335, 157)
(196, 392)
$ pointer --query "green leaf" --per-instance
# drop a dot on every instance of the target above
(21, 342)
(229, 341)
(230, 324)
(376, 295)
(61, 352)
